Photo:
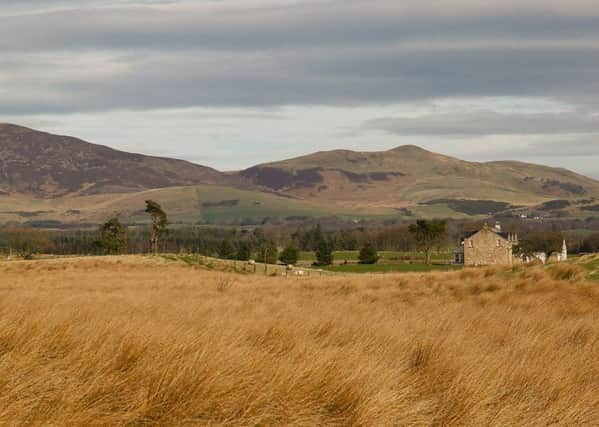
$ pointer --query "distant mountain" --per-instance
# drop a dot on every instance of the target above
(408, 175)
(42, 164)
(44, 177)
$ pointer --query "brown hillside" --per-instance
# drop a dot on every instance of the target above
(43, 164)
(409, 174)
(406, 180)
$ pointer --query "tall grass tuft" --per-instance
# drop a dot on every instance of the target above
(138, 341)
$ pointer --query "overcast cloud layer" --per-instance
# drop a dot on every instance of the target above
(231, 83)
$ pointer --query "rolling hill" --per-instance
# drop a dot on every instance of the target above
(410, 175)
(45, 165)
(46, 177)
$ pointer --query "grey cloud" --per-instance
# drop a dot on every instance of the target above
(347, 22)
(19, 7)
(348, 52)
(576, 153)
(586, 147)
(324, 76)
(489, 123)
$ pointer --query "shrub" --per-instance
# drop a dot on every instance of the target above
(290, 255)
(267, 253)
(368, 254)
(244, 253)
(224, 284)
(324, 253)
(565, 271)
(113, 237)
(226, 250)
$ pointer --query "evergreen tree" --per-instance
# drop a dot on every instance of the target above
(324, 253)
(113, 237)
(290, 255)
(368, 254)
(244, 252)
(226, 250)
(267, 252)
(317, 237)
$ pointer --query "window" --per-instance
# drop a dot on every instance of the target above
(470, 244)
(498, 243)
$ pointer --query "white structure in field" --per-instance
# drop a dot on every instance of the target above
(561, 257)
(537, 256)
(553, 257)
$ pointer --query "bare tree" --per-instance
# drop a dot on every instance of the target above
(428, 234)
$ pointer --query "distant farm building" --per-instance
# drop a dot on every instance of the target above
(550, 258)
(489, 246)
(537, 256)
(560, 256)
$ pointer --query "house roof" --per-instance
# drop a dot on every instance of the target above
(505, 235)
(470, 234)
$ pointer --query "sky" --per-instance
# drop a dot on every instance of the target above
(233, 83)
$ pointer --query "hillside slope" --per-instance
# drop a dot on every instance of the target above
(203, 204)
(46, 177)
(42, 164)
(408, 175)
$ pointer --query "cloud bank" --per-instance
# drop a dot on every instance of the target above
(397, 61)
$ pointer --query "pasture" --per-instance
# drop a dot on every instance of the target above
(389, 262)
(385, 256)
(388, 268)
(151, 341)
(185, 205)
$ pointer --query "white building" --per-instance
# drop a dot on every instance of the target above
(553, 257)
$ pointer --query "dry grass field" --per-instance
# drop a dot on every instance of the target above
(140, 341)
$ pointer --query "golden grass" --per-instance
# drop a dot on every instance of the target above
(136, 341)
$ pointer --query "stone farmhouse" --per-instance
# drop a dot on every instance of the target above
(489, 246)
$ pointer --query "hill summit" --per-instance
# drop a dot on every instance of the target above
(409, 174)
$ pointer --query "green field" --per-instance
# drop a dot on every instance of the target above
(387, 268)
(590, 265)
(208, 262)
(184, 205)
(386, 256)
(208, 204)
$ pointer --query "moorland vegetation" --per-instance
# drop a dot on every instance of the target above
(133, 340)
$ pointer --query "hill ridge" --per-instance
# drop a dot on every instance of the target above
(401, 179)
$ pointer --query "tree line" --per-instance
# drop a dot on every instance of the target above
(265, 244)
(113, 237)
